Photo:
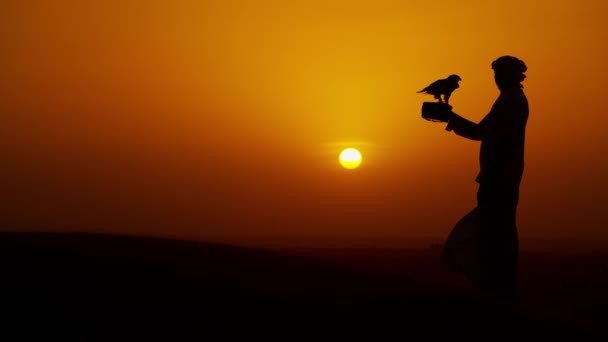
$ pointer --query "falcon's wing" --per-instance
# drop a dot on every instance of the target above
(432, 88)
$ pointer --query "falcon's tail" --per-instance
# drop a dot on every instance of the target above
(422, 91)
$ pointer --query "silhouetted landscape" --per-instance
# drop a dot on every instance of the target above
(303, 170)
(97, 286)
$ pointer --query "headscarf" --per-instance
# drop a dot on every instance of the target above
(511, 68)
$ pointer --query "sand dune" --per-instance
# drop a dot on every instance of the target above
(101, 285)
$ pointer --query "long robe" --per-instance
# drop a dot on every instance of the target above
(484, 244)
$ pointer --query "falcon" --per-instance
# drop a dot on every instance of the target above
(443, 87)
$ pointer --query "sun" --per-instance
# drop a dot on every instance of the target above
(350, 158)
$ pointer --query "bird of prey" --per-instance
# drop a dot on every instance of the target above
(443, 87)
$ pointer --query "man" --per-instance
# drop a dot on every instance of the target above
(502, 135)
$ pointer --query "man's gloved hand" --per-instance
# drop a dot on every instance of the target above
(436, 111)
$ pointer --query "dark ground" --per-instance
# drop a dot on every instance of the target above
(109, 287)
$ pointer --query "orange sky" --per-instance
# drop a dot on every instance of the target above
(224, 119)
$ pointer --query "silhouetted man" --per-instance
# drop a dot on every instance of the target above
(502, 134)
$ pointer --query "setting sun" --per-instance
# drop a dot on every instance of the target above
(350, 158)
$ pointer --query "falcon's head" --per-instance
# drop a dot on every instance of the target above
(453, 79)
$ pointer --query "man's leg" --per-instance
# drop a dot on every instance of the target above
(498, 241)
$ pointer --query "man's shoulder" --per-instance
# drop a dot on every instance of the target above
(514, 97)
(515, 93)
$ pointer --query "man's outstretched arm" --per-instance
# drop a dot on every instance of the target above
(464, 127)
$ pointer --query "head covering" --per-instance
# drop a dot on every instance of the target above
(510, 67)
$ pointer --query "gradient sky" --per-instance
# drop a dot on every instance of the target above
(224, 119)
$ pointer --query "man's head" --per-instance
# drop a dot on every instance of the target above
(509, 72)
